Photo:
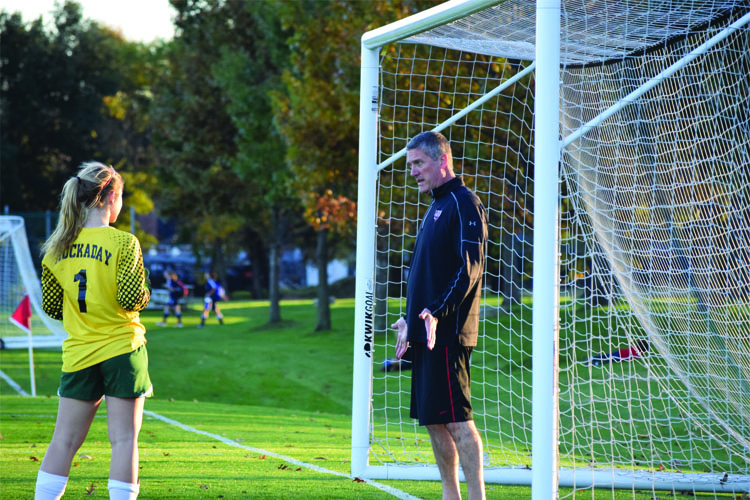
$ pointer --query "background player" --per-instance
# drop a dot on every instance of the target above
(214, 293)
(176, 290)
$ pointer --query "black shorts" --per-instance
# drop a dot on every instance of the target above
(441, 384)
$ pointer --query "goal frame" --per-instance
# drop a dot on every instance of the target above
(19, 242)
(545, 475)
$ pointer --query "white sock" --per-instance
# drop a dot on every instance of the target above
(49, 486)
(119, 490)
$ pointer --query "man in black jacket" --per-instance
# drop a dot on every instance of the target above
(442, 313)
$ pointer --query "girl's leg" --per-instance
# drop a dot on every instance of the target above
(74, 417)
(219, 316)
(163, 322)
(207, 306)
(124, 418)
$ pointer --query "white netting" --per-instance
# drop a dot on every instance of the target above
(18, 278)
(654, 234)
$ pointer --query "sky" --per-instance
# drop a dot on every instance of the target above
(139, 20)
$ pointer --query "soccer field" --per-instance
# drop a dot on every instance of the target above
(243, 410)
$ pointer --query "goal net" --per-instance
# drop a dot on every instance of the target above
(653, 231)
(18, 278)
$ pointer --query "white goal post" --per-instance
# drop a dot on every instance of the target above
(610, 144)
(18, 277)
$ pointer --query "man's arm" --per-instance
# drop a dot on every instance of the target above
(401, 333)
(430, 326)
(469, 243)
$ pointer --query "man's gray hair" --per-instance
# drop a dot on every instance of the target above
(433, 144)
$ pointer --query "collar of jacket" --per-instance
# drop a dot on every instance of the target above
(447, 187)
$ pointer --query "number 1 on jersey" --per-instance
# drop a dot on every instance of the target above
(81, 279)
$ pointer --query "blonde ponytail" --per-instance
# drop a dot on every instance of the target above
(86, 190)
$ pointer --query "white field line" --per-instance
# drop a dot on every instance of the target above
(383, 487)
(13, 384)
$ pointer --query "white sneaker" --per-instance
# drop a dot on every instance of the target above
(161, 323)
(179, 325)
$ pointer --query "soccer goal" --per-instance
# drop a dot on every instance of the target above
(609, 142)
(18, 278)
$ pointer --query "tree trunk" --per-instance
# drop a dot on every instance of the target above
(321, 257)
(511, 273)
(274, 295)
(218, 265)
(257, 260)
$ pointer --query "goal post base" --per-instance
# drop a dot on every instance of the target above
(579, 478)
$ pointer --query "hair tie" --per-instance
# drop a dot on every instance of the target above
(110, 178)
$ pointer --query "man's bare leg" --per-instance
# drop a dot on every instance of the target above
(446, 456)
(468, 442)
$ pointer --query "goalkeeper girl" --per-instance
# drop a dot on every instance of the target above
(214, 293)
(93, 280)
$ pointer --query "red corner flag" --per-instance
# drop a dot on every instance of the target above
(22, 317)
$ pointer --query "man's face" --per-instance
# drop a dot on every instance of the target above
(428, 173)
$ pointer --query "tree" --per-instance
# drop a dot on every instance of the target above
(75, 93)
(318, 108)
(250, 67)
(194, 135)
(52, 89)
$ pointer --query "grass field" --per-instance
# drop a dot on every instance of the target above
(244, 410)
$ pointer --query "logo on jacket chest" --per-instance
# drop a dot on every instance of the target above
(436, 215)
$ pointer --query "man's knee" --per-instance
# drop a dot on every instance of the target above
(463, 432)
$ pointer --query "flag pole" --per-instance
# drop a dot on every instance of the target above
(31, 365)
(22, 319)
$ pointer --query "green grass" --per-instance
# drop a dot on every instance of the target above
(272, 398)
(284, 389)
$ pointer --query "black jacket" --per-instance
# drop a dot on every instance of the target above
(446, 269)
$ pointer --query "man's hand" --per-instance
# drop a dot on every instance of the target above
(401, 344)
(430, 326)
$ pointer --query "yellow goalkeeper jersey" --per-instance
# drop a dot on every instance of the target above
(97, 287)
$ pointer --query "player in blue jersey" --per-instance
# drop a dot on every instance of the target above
(214, 294)
(176, 291)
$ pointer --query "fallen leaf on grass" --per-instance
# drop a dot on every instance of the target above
(34, 459)
(87, 457)
(165, 453)
(320, 458)
(204, 487)
(358, 480)
(283, 466)
(91, 490)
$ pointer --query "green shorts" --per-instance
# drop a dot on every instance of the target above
(124, 376)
